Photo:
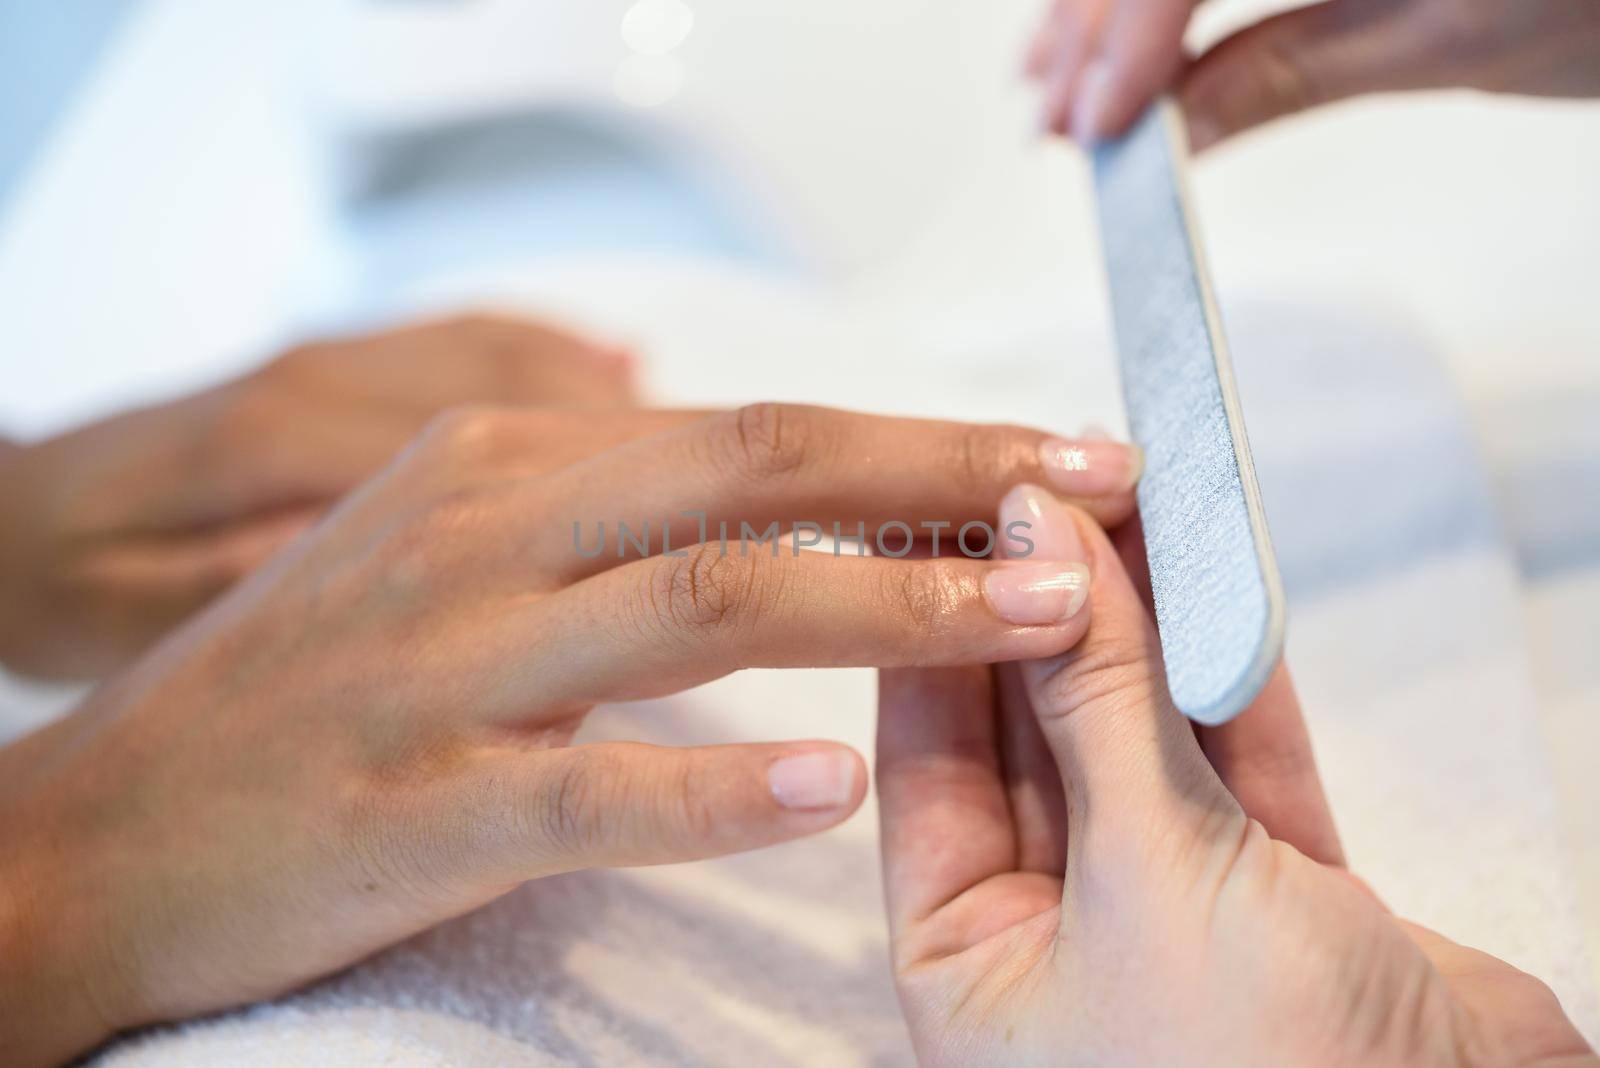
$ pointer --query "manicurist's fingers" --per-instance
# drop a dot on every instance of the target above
(1264, 754)
(946, 824)
(1139, 51)
(790, 464)
(666, 623)
(1264, 758)
(1132, 769)
(1043, 45)
(1306, 57)
(525, 815)
(1033, 782)
(1073, 35)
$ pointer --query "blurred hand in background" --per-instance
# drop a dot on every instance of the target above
(113, 533)
(1102, 61)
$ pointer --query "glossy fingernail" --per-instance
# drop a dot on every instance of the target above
(1093, 99)
(1036, 526)
(1034, 594)
(824, 779)
(1091, 467)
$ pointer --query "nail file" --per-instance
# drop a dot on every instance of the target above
(1218, 600)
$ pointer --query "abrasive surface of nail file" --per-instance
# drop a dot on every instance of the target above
(1219, 603)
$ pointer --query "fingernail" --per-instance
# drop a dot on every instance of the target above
(1032, 594)
(1034, 525)
(824, 779)
(1094, 96)
(1091, 467)
(1203, 132)
(1056, 96)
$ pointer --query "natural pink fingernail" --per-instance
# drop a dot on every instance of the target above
(823, 779)
(1093, 100)
(1034, 525)
(1034, 594)
(1091, 467)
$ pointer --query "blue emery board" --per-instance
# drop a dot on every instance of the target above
(1218, 599)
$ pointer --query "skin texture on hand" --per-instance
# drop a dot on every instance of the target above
(1071, 881)
(373, 732)
(113, 533)
(1100, 62)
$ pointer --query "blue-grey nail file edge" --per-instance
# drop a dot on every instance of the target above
(1219, 602)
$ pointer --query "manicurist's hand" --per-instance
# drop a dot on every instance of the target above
(1102, 61)
(111, 534)
(1075, 878)
(373, 732)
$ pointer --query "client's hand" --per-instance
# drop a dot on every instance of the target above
(372, 732)
(112, 534)
(1071, 881)
(1102, 61)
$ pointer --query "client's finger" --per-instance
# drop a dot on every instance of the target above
(468, 445)
(666, 623)
(780, 463)
(610, 804)
(1131, 766)
(1264, 758)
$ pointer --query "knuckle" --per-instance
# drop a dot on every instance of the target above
(928, 597)
(464, 436)
(479, 321)
(561, 817)
(1111, 668)
(245, 414)
(988, 457)
(423, 546)
(239, 418)
(694, 817)
(1458, 27)
(1285, 78)
(767, 441)
(297, 360)
(703, 590)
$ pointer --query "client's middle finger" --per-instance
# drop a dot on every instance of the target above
(792, 464)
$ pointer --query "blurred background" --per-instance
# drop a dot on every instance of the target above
(847, 202)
